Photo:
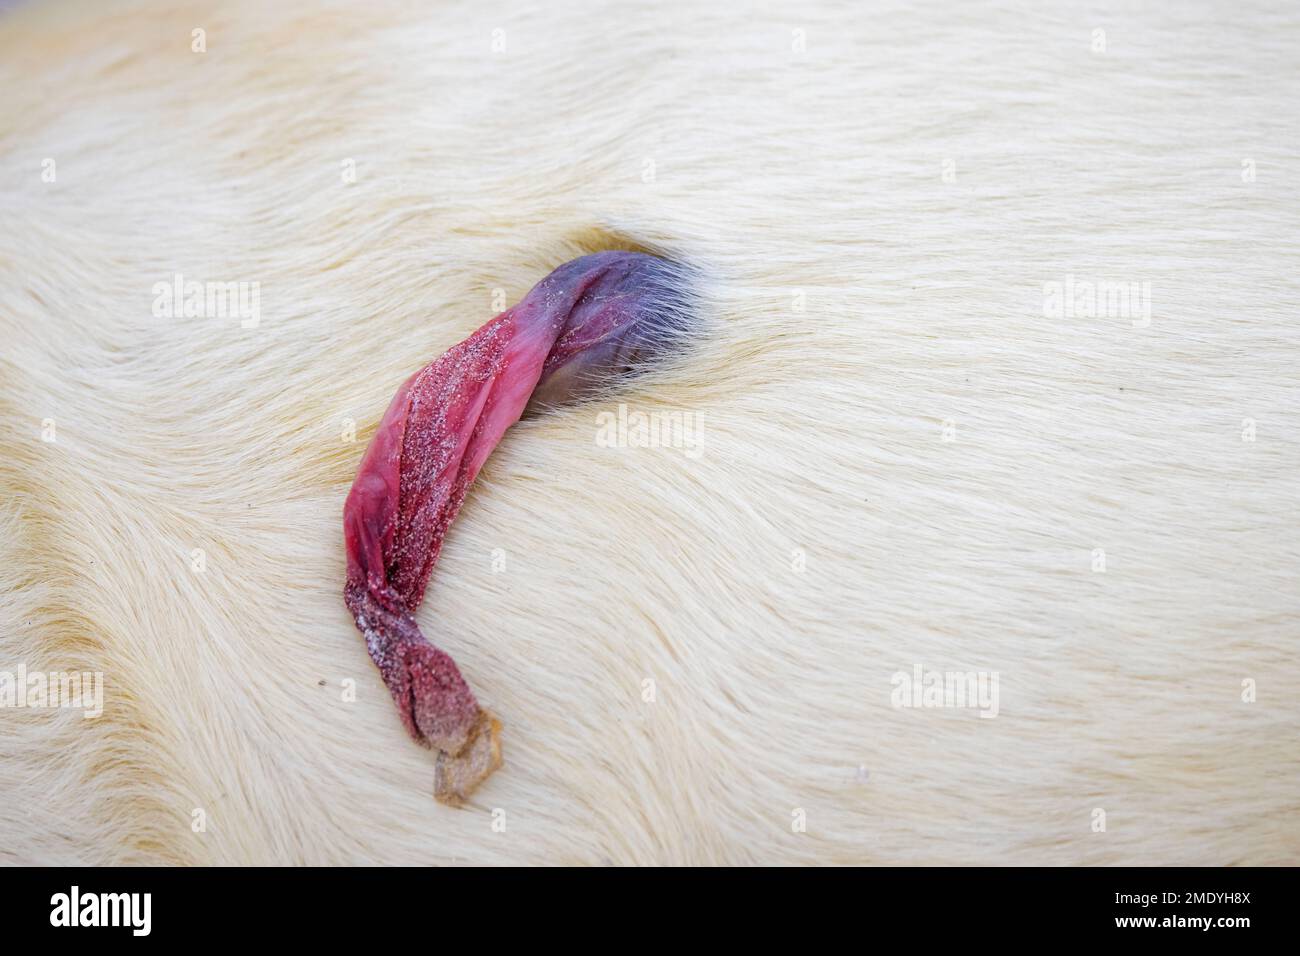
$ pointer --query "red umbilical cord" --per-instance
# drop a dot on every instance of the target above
(587, 323)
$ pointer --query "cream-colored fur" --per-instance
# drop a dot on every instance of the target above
(908, 456)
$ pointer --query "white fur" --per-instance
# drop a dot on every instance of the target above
(854, 303)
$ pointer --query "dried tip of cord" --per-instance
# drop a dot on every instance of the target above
(456, 776)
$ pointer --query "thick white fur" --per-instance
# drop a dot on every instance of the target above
(859, 308)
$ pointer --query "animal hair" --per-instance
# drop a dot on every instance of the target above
(925, 444)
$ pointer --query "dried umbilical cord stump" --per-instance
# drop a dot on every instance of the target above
(587, 325)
